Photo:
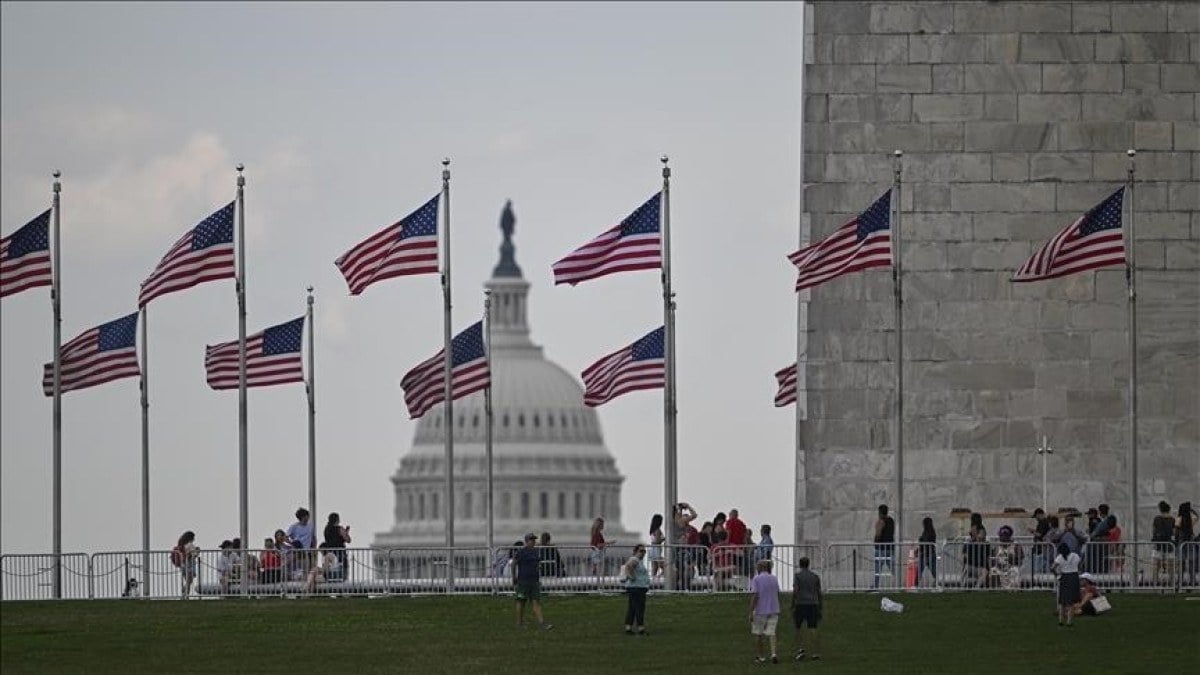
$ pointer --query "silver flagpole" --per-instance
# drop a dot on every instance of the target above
(56, 304)
(311, 389)
(145, 387)
(1131, 281)
(669, 460)
(243, 461)
(447, 358)
(487, 420)
(897, 289)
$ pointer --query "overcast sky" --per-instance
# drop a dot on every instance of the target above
(341, 114)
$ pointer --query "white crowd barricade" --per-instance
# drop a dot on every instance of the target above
(867, 566)
(1188, 565)
(31, 576)
(995, 565)
(135, 574)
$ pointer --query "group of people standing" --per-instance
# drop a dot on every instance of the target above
(291, 555)
(723, 547)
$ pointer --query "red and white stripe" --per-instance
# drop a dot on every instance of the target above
(618, 374)
(610, 253)
(424, 385)
(385, 255)
(183, 268)
(787, 386)
(83, 365)
(1068, 252)
(841, 253)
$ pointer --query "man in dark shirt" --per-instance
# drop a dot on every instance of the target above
(1042, 551)
(885, 537)
(527, 581)
(806, 608)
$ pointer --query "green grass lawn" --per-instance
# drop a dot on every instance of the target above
(942, 633)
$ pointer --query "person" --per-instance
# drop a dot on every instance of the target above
(977, 552)
(302, 537)
(1088, 593)
(885, 537)
(686, 538)
(1006, 559)
(657, 538)
(327, 569)
(1066, 566)
(927, 551)
(185, 556)
(764, 610)
(598, 545)
(739, 536)
(1185, 532)
(527, 581)
(807, 603)
(637, 585)
(1162, 530)
(718, 524)
(1098, 534)
(272, 563)
(1070, 536)
(336, 538)
(1041, 528)
(229, 567)
(704, 539)
(552, 562)
(724, 562)
(1115, 551)
(766, 545)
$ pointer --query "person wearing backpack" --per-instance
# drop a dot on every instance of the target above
(184, 557)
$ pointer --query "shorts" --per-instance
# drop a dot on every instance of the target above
(529, 590)
(764, 624)
(809, 615)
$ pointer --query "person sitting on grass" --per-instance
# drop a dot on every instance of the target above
(1090, 596)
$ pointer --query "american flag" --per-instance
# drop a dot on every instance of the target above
(102, 354)
(25, 257)
(272, 357)
(787, 386)
(424, 386)
(634, 244)
(859, 244)
(203, 253)
(1094, 240)
(641, 365)
(408, 247)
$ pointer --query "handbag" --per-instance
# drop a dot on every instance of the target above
(1100, 604)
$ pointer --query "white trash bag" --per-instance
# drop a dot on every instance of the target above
(889, 605)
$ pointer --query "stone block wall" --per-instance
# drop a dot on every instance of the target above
(1014, 119)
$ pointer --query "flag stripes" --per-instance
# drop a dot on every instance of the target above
(102, 354)
(410, 246)
(634, 244)
(25, 257)
(641, 365)
(424, 385)
(1094, 240)
(273, 357)
(862, 243)
(204, 253)
(787, 386)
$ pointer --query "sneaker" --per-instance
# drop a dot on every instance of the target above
(547, 626)
(799, 655)
(759, 660)
(816, 657)
(774, 658)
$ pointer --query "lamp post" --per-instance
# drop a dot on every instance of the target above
(1045, 451)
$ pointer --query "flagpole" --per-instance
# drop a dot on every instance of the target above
(243, 493)
(311, 390)
(897, 289)
(669, 459)
(487, 420)
(145, 387)
(447, 358)
(56, 304)
(1131, 282)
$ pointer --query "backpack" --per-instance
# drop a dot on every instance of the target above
(177, 556)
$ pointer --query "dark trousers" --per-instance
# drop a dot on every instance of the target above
(635, 614)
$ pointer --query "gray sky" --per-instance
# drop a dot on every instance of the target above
(342, 115)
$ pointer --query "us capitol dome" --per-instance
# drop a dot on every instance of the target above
(551, 470)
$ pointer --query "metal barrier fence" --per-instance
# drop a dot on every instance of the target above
(847, 566)
(31, 576)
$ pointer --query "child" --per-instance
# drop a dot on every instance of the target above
(764, 609)
(1066, 565)
(806, 608)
